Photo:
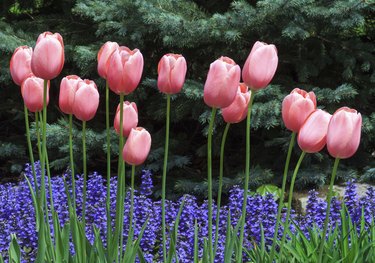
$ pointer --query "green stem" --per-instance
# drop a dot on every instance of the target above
(72, 159)
(329, 198)
(281, 200)
(31, 156)
(290, 197)
(42, 161)
(108, 206)
(221, 171)
(209, 182)
(247, 177)
(84, 172)
(131, 199)
(164, 178)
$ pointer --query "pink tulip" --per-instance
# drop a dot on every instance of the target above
(296, 107)
(344, 133)
(130, 118)
(313, 133)
(237, 111)
(222, 82)
(32, 93)
(104, 54)
(86, 100)
(137, 146)
(20, 64)
(124, 70)
(172, 71)
(48, 57)
(68, 89)
(260, 66)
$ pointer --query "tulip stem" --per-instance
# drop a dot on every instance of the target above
(329, 198)
(164, 178)
(209, 182)
(247, 175)
(131, 199)
(221, 171)
(290, 197)
(108, 207)
(281, 200)
(84, 172)
(31, 156)
(71, 159)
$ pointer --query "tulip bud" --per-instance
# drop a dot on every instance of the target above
(137, 146)
(172, 71)
(32, 93)
(124, 70)
(296, 107)
(20, 64)
(104, 54)
(68, 89)
(48, 57)
(222, 82)
(86, 100)
(130, 118)
(313, 133)
(237, 111)
(344, 133)
(260, 66)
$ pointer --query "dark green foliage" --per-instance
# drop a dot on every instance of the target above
(324, 46)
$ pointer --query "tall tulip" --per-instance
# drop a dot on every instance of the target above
(221, 84)
(344, 133)
(86, 100)
(296, 107)
(32, 93)
(20, 64)
(137, 146)
(48, 57)
(124, 70)
(260, 66)
(104, 54)
(68, 89)
(237, 111)
(313, 133)
(130, 113)
(172, 71)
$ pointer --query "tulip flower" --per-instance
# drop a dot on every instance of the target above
(344, 133)
(48, 57)
(137, 146)
(130, 115)
(237, 111)
(260, 66)
(124, 70)
(313, 133)
(296, 107)
(20, 64)
(86, 100)
(172, 71)
(104, 54)
(222, 82)
(32, 93)
(68, 89)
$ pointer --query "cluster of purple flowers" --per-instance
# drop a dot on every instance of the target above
(17, 214)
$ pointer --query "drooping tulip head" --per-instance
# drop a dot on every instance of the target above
(130, 118)
(237, 111)
(172, 71)
(296, 107)
(20, 64)
(68, 89)
(32, 93)
(344, 133)
(312, 136)
(86, 100)
(137, 146)
(48, 57)
(124, 70)
(222, 82)
(260, 66)
(104, 54)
